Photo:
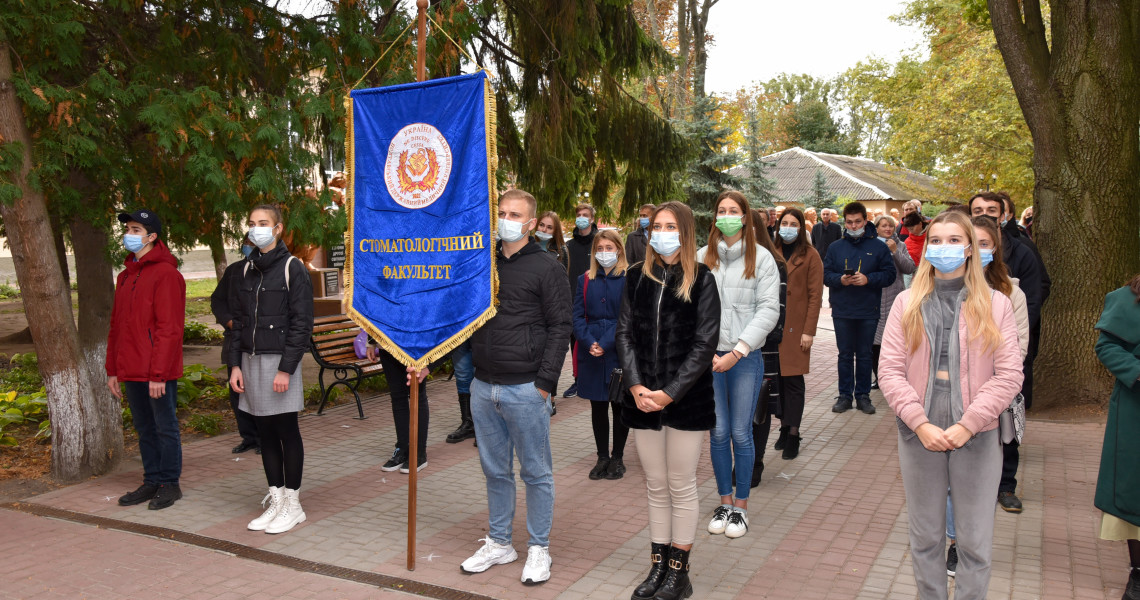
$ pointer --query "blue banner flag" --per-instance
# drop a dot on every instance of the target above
(420, 162)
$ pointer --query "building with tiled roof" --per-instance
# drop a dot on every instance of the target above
(873, 183)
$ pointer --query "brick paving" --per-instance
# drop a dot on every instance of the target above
(830, 524)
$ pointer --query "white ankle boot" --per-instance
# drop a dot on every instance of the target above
(289, 514)
(274, 498)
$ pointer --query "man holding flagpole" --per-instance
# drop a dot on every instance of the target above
(518, 357)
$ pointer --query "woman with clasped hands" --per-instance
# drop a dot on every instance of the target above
(666, 338)
(950, 364)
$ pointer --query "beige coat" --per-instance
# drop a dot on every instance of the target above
(805, 296)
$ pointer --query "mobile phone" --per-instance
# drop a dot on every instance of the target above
(849, 272)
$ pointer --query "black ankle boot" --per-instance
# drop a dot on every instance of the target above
(676, 585)
(658, 556)
(1132, 590)
(792, 450)
(782, 440)
(466, 428)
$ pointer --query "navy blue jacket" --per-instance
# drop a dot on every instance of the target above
(866, 255)
(595, 320)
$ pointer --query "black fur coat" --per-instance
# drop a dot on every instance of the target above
(665, 343)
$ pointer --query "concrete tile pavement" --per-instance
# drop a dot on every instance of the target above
(830, 524)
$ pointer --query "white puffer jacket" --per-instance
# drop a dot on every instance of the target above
(749, 308)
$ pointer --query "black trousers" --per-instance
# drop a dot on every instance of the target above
(875, 348)
(397, 376)
(247, 426)
(1011, 453)
(793, 390)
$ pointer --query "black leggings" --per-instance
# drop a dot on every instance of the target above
(601, 422)
(282, 451)
(875, 349)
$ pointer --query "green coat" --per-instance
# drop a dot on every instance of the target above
(1118, 484)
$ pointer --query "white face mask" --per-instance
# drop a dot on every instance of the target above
(606, 259)
(665, 243)
(511, 231)
(543, 236)
(262, 237)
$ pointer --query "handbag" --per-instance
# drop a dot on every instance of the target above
(1011, 421)
(762, 409)
(615, 390)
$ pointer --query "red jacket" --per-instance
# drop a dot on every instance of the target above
(914, 243)
(148, 318)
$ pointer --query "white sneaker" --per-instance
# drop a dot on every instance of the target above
(737, 524)
(537, 569)
(274, 498)
(720, 519)
(489, 555)
(289, 515)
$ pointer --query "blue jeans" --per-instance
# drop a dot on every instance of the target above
(156, 421)
(515, 419)
(735, 393)
(464, 367)
(854, 338)
(951, 531)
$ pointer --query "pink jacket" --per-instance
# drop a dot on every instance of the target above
(990, 380)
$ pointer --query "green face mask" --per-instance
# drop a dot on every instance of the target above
(729, 225)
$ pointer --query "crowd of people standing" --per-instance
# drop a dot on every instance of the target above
(669, 341)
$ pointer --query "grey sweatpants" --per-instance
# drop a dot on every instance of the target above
(972, 473)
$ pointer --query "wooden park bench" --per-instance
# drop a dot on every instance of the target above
(331, 346)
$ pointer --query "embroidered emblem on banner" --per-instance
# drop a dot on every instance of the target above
(418, 166)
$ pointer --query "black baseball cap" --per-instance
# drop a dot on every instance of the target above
(144, 217)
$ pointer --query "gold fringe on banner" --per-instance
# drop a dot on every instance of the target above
(456, 340)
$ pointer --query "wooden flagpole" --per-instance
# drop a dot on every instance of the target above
(414, 388)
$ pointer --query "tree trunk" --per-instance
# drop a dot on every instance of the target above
(60, 248)
(47, 304)
(1081, 100)
(698, 21)
(217, 252)
(95, 278)
(684, 44)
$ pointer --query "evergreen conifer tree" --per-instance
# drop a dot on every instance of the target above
(821, 196)
(707, 174)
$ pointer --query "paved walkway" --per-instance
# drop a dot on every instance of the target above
(830, 524)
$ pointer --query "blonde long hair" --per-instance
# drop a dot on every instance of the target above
(977, 307)
(687, 230)
(712, 257)
(622, 262)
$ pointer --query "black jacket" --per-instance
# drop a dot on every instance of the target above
(667, 344)
(270, 317)
(579, 248)
(527, 339)
(1027, 267)
(635, 244)
(823, 235)
(223, 303)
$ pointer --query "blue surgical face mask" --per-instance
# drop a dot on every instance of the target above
(133, 243)
(986, 255)
(543, 236)
(262, 237)
(665, 243)
(946, 258)
(789, 234)
(644, 222)
(511, 231)
(246, 250)
(856, 233)
(582, 222)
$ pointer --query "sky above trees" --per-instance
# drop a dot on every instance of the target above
(757, 40)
